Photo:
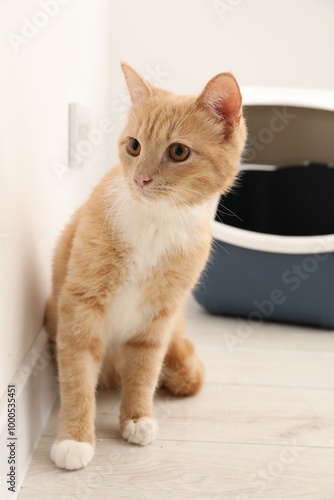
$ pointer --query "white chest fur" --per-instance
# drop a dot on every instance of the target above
(152, 231)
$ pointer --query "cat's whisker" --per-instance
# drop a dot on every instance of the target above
(107, 195)
(219, 217)
(184, 219)
(232, 214)
(116, 214)
(215, 242)
(176, 209)
(189, 194)
(114, 207)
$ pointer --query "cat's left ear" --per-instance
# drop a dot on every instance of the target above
(139, 88)
(222, 98)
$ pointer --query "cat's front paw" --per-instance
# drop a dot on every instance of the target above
(71, 455)
(142, 431)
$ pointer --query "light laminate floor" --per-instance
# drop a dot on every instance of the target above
(262, 427)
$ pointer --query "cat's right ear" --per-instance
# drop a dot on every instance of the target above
(139, 88)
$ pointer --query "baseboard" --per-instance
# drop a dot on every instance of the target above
(35, 392)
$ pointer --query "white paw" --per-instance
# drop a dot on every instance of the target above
(71, 455)
(142, 431)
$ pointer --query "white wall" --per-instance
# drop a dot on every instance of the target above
(67, 59)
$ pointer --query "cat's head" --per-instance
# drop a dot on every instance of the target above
(182, 150)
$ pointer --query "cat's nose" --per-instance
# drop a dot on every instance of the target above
(142, 180)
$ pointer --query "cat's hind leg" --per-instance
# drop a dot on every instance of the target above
(50, 322)
(183, 372)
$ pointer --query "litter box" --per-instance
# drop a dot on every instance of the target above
(273, 234)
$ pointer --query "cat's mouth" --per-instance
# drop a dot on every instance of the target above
(148, 194)
(144, 194)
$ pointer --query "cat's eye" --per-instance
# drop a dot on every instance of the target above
(133, 146)
(178, 152)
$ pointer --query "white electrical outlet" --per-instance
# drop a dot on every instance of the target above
(80, 125)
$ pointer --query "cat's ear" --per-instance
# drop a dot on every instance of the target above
(222, 98)
(138, 88)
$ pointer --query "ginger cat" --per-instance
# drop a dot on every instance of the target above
(127, 261)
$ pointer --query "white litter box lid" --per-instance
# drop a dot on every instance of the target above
(278, 96)
(272, 242)
(286, 96)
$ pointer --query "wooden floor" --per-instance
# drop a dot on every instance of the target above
(262, 427)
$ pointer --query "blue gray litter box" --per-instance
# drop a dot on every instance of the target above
(273, 234)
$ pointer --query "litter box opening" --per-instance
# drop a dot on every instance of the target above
(294, 200)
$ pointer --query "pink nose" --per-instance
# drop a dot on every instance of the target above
(142, 180)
